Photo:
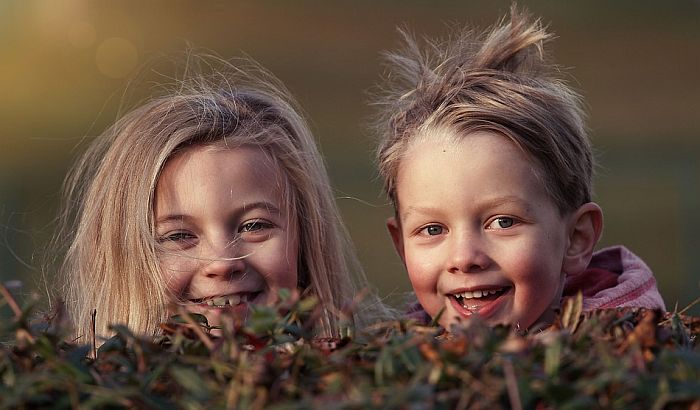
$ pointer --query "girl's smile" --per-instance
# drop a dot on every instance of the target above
(224, 233)
(235, 306)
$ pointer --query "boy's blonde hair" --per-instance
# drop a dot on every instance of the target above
(500, 82)
(111, 261)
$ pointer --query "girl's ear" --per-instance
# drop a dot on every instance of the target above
(394, 227)
(586, 226)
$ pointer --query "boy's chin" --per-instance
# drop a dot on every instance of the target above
(543, 322)
(522, 325)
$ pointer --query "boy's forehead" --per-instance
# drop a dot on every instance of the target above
(508, 174)
(447, 139)
(450, 136)
(440, 134)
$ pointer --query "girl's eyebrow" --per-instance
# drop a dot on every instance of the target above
(264, 205)
(173, 218)
(267, 206)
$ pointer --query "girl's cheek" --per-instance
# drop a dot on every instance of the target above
(177, 271)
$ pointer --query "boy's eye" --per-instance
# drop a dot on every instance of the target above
(433, 230)
(502, 222)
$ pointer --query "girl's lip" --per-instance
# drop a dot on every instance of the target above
(227, 300)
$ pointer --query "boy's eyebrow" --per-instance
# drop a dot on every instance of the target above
(486, 204)
(502, 200)
(418, 209)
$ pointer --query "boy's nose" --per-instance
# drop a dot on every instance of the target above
(224, 263)
(467, 255)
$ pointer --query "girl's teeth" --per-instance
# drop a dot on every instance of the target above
(231, 300)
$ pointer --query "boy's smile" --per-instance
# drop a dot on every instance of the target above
(477, 231)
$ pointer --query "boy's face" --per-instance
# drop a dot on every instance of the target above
(477, 231)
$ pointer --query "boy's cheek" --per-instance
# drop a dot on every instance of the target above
(421, 268)
(423, 278)
(396, 234)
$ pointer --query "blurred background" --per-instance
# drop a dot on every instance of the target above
(66, 68)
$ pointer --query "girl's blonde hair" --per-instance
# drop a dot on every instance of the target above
(111, 263)
(498, 81)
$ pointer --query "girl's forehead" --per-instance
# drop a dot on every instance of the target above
(245, 167)
(256, 158)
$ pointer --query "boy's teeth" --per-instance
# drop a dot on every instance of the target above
(234, 300)
(478, 293)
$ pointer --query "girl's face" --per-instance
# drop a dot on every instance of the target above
(224, 231)
(477, 231)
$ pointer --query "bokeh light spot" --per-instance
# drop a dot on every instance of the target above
(116, 57)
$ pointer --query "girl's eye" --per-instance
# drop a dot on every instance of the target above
(502, 222)
(180, 237)
(254, 226)
(432, 230)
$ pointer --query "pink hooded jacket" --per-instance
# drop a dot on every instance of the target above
(615, 278)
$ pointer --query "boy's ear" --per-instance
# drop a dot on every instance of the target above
(586, 226)
(394, 227)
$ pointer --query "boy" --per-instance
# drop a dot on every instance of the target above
(485, 157)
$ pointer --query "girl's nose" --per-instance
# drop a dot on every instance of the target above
(224, 263)
(468, 254)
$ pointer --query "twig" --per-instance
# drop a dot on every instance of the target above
(196, 328)
(93, 331)
(693, 303)
(512, 385)
(10, 301)
(676, 312)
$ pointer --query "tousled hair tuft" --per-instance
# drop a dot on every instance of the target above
(501, 81)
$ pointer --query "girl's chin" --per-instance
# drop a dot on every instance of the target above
(224, 316)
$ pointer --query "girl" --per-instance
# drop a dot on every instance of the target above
(212, 197)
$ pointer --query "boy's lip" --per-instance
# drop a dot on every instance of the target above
(485, 306)
(478, 287)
